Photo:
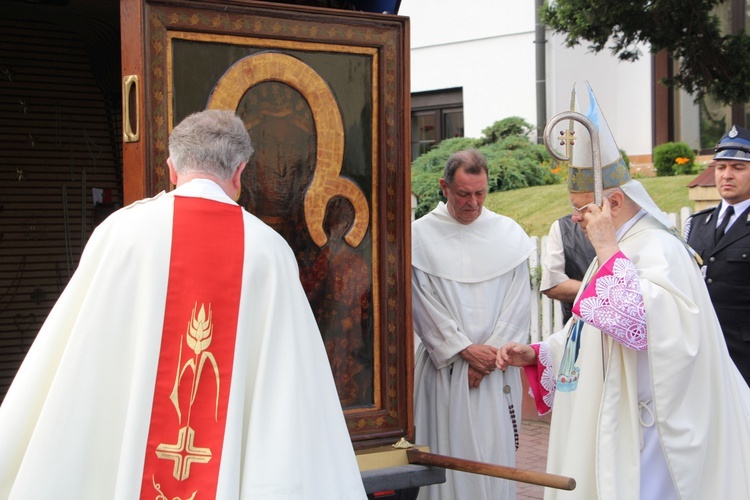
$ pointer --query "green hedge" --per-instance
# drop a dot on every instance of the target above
(674, 158)
(513, 161)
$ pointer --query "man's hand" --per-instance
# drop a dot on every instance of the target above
(474, 378)
(514, 354)
(480, 357)
(600, 230)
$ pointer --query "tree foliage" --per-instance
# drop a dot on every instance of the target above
(710, 62)
(513, 161)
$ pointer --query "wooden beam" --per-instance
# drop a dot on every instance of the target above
(419, 457)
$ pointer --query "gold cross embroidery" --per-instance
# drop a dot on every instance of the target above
(184, 453)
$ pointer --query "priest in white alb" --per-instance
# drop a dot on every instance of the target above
(182, 361)
(471, 294)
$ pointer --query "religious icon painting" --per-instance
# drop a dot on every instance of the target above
(322, 95)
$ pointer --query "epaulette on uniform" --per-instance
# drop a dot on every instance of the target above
(689, 221)
(704, 211)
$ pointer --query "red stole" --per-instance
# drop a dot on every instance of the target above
(188, 417)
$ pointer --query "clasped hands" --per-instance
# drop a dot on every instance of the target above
(481, 359)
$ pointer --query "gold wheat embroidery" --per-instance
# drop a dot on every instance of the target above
(198, 338)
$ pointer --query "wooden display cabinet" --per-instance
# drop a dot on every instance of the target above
(325, 96)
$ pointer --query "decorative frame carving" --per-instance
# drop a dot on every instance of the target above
(283, 35)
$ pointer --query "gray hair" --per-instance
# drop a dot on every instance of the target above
(212, 142)
(471, 160)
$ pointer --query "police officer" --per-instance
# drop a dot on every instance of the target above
(721, 235)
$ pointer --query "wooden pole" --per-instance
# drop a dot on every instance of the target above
(523, 475)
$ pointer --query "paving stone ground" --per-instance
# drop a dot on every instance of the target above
(532, 455)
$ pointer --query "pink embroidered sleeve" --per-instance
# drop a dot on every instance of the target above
(613, 303)
(542, 381)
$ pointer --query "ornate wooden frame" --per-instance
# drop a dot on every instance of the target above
(284, 32)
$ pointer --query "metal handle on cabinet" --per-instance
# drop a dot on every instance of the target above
(131, 130)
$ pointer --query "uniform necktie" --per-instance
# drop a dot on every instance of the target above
(723, 226)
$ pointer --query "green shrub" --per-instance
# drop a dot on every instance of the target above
(512, 166)
(625, 158)
(674, 158)
(513, 162)
(507, 127)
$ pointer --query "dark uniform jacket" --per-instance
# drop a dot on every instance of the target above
(726, 269)
(578, 255)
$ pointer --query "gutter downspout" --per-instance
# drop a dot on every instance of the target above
(541, 75)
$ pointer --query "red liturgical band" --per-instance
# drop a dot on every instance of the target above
(188, 418)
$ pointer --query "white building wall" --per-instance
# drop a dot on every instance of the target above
(494, 73)
(442, 22)
(487, 48)
(623, 90)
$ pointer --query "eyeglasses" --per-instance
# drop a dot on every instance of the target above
(582, 209)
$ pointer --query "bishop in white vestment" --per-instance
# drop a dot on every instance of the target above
(646, 401)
